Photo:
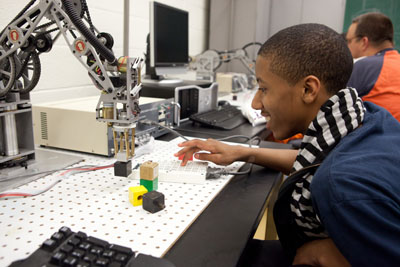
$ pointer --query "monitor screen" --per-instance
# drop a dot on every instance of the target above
(169, 39)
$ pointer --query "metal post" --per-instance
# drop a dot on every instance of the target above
(126, 28)
(10, 132)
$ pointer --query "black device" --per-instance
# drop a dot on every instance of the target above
(194, 99)
(225, 117)
(68, 248)
(153, 88)
(223, 103)
(168, 41)
(153, 201)
(161, 112)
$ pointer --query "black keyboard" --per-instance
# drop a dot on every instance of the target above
(66, 248)
(225, 117)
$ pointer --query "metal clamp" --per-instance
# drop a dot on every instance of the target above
(177, 117)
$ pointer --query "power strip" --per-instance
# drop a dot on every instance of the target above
(171, 171)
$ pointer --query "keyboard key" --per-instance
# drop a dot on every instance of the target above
(66, 248)
(49, 245)
(96, 250)
(78, 253)
(70, 261)
(83, 264)
(57, 236)
(108, 254)
(121, 249)
(74, 241)
(89, 258)
(58, 258)
(98, 242)
(81, 235)
(65, 230)
(121, 257)
(85, 246)
(102, 262)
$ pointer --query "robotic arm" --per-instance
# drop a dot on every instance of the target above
(34, 30)
(209, 61)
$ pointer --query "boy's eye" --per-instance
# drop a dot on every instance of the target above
(263, 90)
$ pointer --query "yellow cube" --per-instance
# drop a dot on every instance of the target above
(149, 170)
(136, 195)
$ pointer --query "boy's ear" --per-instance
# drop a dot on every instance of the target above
(311, 89)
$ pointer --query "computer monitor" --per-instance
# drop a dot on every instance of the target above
(168, 42)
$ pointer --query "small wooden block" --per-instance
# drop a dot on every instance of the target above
(150, 184)
(136, 194)
(149, 170)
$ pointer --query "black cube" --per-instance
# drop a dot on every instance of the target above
(153, 201)
(123, 169)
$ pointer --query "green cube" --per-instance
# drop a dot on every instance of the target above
(150, 184)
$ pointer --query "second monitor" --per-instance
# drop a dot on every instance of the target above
(168, 43)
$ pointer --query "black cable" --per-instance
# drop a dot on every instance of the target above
(73, 34)
(85, 9)
(223, 172)
(87, 33)
(50, 31)
(51, 171)
(250, 44)
(153, 123)
(20, 14)
(45, 25)
(219, 172)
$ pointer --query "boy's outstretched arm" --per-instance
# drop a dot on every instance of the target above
(224, 154)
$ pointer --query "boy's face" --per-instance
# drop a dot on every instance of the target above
(279, 102)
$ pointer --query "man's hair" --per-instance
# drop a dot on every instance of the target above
(376, 26)
(309, 49)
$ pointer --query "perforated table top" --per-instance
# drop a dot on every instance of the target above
(98, 204)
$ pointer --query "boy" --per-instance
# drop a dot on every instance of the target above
(340, 204)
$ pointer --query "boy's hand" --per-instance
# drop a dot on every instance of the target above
(320, 253)
(219, 153)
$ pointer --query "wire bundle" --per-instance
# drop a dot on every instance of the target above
(64, 175)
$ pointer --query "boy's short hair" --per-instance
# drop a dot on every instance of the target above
(309, 49)
(376, 26)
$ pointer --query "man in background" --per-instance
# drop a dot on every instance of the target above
(376, 71)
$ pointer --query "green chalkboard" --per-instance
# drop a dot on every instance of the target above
(390, 8)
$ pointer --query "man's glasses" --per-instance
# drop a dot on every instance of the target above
(349, 40)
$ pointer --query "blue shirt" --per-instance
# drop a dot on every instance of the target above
(356, 191)
(377, 79)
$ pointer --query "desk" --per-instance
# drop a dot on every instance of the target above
(215, 238)
(220, 234)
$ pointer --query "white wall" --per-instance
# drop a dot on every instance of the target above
(285, 13)
(234, 23)
(64, 76)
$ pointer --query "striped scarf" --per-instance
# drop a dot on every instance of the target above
(339, 116)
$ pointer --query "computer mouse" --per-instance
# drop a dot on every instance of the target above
(223, 103)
